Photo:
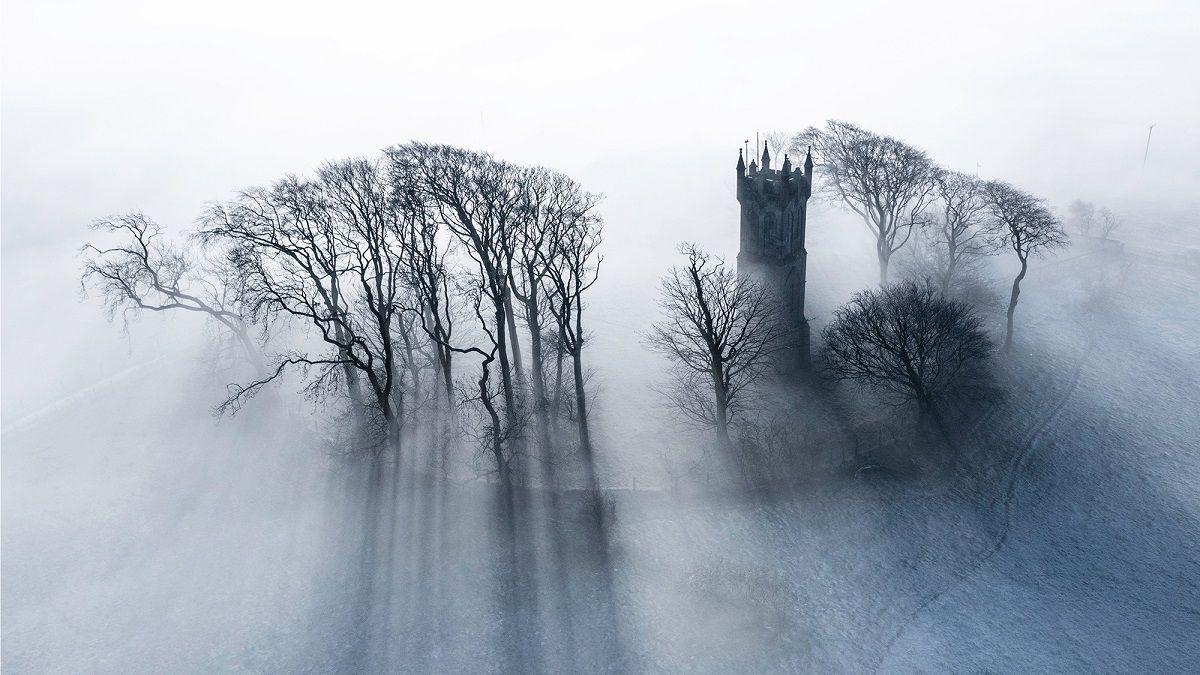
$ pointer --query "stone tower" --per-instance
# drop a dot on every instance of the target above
(774, 205)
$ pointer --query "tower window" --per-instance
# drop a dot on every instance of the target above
(771, 231)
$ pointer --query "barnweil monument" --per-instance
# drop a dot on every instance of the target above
(774, 206)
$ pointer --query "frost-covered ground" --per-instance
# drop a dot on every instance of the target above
(140, 535)
(1100, 567)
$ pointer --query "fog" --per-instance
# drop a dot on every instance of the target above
(144, 106)
(143, 533)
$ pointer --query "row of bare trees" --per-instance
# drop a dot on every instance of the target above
(383, 282)
(898, 190)
(1090, 222)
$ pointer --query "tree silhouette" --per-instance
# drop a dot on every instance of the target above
(1028, 228)
(887, 182)
(721, 331)
(910, 341)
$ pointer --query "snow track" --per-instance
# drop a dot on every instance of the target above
(83, 393)
(1017, 469)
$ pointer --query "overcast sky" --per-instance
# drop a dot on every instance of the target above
(161, 106)
(127, 101)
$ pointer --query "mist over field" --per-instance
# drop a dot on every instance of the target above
(144, 532)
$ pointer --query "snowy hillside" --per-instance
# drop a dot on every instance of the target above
(144, 537)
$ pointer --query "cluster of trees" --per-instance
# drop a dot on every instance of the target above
(916, 339)
(377, 278)
(723, 331)
(406, 284)
(897, 189)
(1088, 222)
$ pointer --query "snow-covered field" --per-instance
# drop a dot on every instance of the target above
(141, 535)
(1100, 565)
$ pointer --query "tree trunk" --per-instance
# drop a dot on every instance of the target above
(556, 406)
(514, 342)
(721, 400)
(933, 430)
(413, 369)
(538, 371)
(884, 259)
(392, 421)
(925, 438)
(1012, 305)
(497, 449)
(951, 263)
(443, 353)
(447, 364)
(414, 372)
(581, 417)
(505, 369)
(353, 387)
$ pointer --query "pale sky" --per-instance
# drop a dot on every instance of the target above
(123, 101)
(161, 106)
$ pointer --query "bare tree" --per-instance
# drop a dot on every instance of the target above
(429, 277)
(283, 243)
(1028, 228)
(887, 182)
(1087, 221)
(323, 252)
(367, 218)
(779, 141)
(571, 265)
(145, 273)
(546, 202)
(497, 433)
(961, 228)
(910, 341)
(1082, 217)
(477, 199)
(721, 330)
(560, 406)
(1109, 223)
(374, 258)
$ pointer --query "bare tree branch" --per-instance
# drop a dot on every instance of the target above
(144, 273)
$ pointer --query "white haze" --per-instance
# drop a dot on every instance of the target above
(161, 533)
(161, 107)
